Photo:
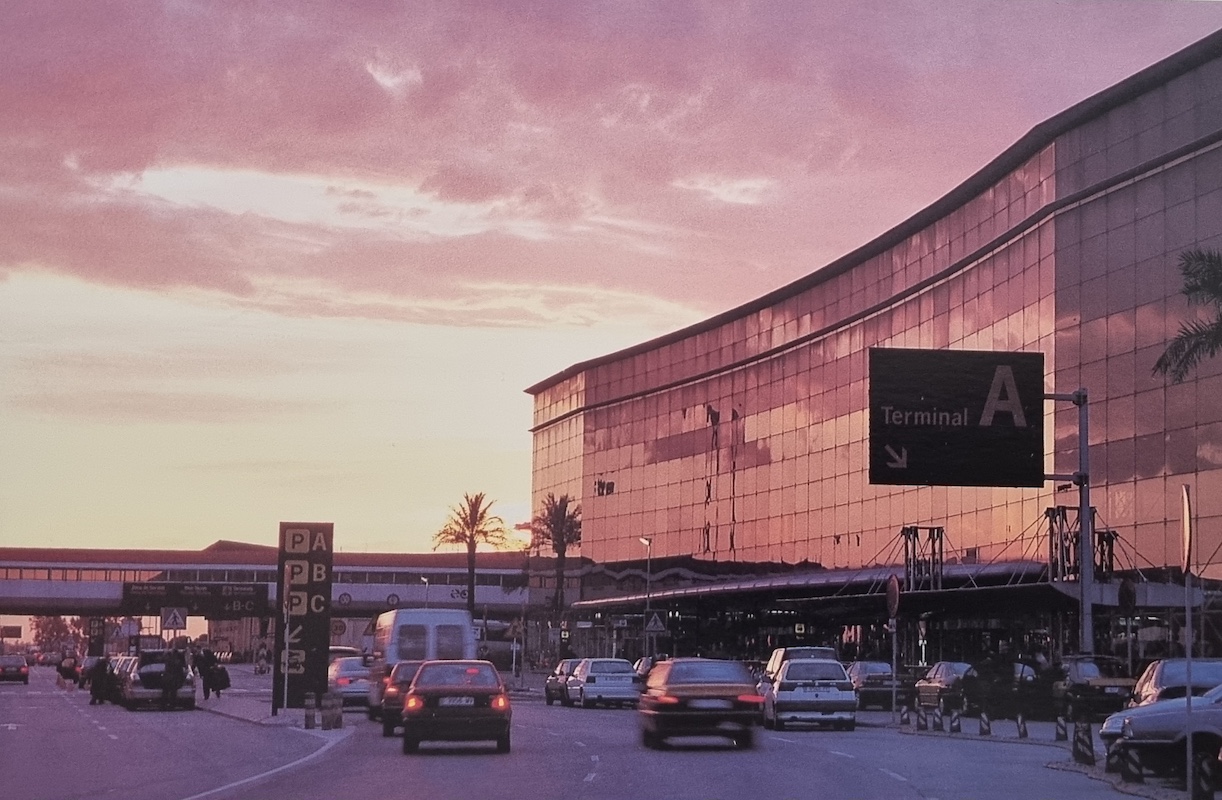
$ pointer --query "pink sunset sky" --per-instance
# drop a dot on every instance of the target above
(298, 261)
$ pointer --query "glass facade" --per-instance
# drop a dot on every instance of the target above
(745, 437)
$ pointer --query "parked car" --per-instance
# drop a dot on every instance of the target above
(1090, 686)
(553, 687)
(645, 663)
(82, 672)
(337, 651)
(1006, 688)
(400, 677)
(609, 681)
(456, 701)
(782, 654)
(349, 677)
(699, 697)
(1167, 679)
(14, 668)
(942, 686)
(875, 685)
(119, 667)
(1159, 730)
(142, 682)
(811, 691)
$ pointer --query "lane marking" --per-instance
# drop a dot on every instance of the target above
(783, 739)
(589, 778)
(111, 735)
(327, 746)
(583, 744)
(842, 755)
(895, 775)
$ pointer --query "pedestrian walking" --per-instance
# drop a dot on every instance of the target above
(205, 665)
(172, 679)
(99, 681)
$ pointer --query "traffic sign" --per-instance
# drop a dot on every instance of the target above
(173, 618)
(655, 625)
(956, 418)
(893, 596)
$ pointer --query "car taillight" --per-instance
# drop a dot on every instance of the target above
(25, 669)
(500, 702)
(343, 681)
(392, 691)
(413, 704)
(666, 699)
(750, 698)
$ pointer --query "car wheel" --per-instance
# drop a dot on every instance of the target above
(648, 739)
(745, 740)
(566, 701)
(410, 744)
(548, 697)
(502, 743)
(388, 726)
(768, 723)
(584, 701)
(851, 725)
(777, 724)
(189, 705)
(371, 712)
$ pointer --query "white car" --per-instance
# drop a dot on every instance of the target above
(810, 691)
(349, 678)
(611, 681)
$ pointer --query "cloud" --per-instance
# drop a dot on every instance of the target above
(157, 406)
(408, 152)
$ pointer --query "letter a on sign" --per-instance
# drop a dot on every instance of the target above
(1003, 396)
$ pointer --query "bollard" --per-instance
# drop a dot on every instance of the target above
(904, 715)
(955, 725)
(986, 727)
(309, 710)
(339, 710)
(922, 720)
(1083, 746)
(1114, 757)
(1061, 735)
(1022, 725)
(1202, 787)
(1130, 764)
(325, 712)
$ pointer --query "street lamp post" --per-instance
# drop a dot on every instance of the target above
(648, 542)
(425, 581)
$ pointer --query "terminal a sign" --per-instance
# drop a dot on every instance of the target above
(304, 633)
(956, 418)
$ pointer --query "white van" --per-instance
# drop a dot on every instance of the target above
(416, 634)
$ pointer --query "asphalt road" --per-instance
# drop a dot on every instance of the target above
(54, 746)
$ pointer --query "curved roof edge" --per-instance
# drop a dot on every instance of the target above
(1043, 134)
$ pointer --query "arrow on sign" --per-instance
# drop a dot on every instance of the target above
(898, 460)
(295, 635)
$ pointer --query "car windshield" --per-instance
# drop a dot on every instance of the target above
(12, 661)
(960, 668)
(404, 671)
(814, 671)
(351, 666)
(709, 672)
(457, 675)
(1089, 670)
(1204, 673)
(607, 667)
(809, 652)
(877, 668)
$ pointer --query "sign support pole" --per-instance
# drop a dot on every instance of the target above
(1086, 522)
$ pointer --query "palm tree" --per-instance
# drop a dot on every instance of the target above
(1197, 339)
(471, 523)
(559, 525)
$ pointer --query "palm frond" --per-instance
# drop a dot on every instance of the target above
(1202, 271)
(1196, 341)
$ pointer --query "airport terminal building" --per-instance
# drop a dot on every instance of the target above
(743, 438)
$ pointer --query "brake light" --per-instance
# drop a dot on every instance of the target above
(667, 699)
(413, 704)
(25, 669)
(500, 702)
(750, 698)
(343, 681)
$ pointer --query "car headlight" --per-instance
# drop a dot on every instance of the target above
(1112, 724)
(1126, 728)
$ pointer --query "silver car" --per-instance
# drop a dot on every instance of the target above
(1159, 730)
(610, 681)
(810, 691)
(349, 678)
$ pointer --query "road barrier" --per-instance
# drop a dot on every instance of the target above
(310, 703)
(986, 727)
(1083, 745)
(1062, 735)
(332, 711)
(937, 719)
(955, 724)
(904, 715)
(1203, 766)
(1130, 765)
(922, 720)
(1022, 725)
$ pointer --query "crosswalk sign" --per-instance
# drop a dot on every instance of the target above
(655, 625)
(173, 618)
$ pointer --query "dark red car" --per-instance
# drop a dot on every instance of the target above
(456, 701)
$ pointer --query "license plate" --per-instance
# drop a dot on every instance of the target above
(616, 679)
(1112, 690)
(457, 701)
(815, 690)
(709, 703)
